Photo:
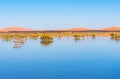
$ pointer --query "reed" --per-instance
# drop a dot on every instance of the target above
(48, 36)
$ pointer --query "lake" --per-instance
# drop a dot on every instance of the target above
(64, 58)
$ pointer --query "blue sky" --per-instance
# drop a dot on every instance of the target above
(49, 14)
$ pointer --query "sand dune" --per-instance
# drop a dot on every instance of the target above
(111, 28)
(70, 29)
(15, 29)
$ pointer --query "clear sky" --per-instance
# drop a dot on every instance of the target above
(49, 14)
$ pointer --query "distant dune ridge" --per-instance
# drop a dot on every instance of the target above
(8, 29)
(15, 29)
(114, 28)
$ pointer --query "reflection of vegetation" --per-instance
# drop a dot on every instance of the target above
(18, 42)
(6, 39)
(93, 36)
(46, 43)
(77, 37)
(59, 37)
(46, 40)
(115, 37)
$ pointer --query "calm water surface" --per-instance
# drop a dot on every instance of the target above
(65, 58)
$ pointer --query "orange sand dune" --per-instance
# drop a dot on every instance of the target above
(15, 29)
(71, 29)
(111, 28)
